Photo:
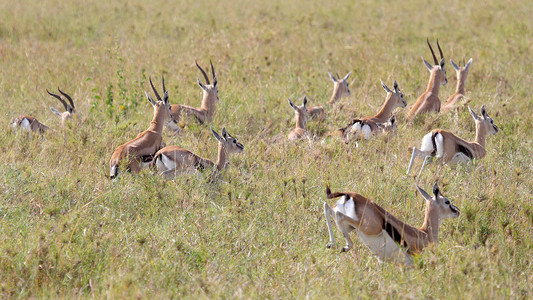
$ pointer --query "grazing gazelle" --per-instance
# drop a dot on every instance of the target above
(452, 149)
(340, 87)
(29, 123)
(69, 106)
(382, 121)
(206, 111)
(382, 232)
(462, 73)
(173, 160)
(429, 100)
(300, 114)
(148, 142)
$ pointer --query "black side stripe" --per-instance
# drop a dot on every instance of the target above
(465, 151)
(434, 152)
(394, 234)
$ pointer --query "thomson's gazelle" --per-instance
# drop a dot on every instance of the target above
(382, 232)
(452, 149)
(300, 114)
(29, 123)
(69, 107)
(340, 87)
(462, 73)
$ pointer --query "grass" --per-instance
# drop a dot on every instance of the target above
(259, 231)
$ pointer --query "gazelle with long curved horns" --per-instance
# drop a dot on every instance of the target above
(204, 113)
(462, 73)
(372, 125)
(380, 231)
(69, 106)
(451, 149)
(173, 160)
(29, 123)
(147, 143)
(429, 101)
(300, 115)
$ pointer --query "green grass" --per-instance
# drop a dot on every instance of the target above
(259, 231)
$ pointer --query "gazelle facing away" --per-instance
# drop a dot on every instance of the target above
(340, 87)
(206, 112)
(148, 142)
(462, 73)
(451, 149)
(300, 114)
(380, 231)
(429, 100)
(173, 160)
(382, 121)
(29, 123)
(69, 107)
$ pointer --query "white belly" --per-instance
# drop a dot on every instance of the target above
(384, 247)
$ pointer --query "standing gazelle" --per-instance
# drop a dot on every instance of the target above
(429, 100)
(380, 231)
(173, 160)
(148, 142)
(205, 113)
(452, 149)
(373, 125)
(462, 73)
(300, 114)
(69, 107)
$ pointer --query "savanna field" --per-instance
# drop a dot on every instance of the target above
(258, 230)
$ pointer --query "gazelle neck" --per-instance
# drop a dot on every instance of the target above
(431, 225)
(335, 96)
(384, 113)
(221, 159)
(434, 80)
(158, 121)
(481, 133)
(208, 102)
(461, 81)
(300, 121)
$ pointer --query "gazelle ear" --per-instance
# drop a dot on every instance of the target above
(332, 77)
(484, 112)
(347, 75)
(305, 101)
(150, 99)
(442, 62)
(385, 87)
(165, 98)
(292, 104)
(395, 86)
(473, 114)
(224, 133)
(454, 65)
(468, 64)
(428, 65)
(215, 81)
(423, 193)
(436, 190)
(218, 137)
(201, 84)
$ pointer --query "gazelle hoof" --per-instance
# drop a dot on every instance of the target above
(329, 245)
(345, 249)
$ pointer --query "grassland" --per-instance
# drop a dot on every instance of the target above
(68, 231)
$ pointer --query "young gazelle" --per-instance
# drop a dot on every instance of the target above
(340, 87)
(452, 149)
(206, 111)
(173, 160)
(429, 100)
(382, 121)
(462, 73)
(300, 114)
(148, 142)
(29, 123)
(382, 232)
(69, 107)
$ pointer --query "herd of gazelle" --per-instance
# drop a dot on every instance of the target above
(379, 230)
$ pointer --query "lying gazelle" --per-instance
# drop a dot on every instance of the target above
(29, 123)
(69, 107)
(173, 160)
(451, 149)
(429, 100)
(206, 112)
(381, 122)
(300, 114)
(462, 73)
(382, 232)
(148, 142)
(340, 87)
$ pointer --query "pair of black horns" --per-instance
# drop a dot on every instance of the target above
(155, 91)
(204, 73)
(63, 101)
(433, 53)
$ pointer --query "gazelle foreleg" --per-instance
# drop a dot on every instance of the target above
(328, 212)
(198, 113)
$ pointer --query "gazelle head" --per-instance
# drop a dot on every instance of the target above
(438, 204)
(462, 72)
(396, 95)
(439, 66)
(229, 143)
(69, 106)
(300, 112)
(210, 90)
(340, 87)
(161, 106)
(484, 122)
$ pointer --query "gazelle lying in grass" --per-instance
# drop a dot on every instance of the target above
(462, 73)
(382, 121)
(148, 142)
(29, 123)
(69, 107)
(340, 90)
(382, 232)
(206, 112)
(451, 149)
(300, 114)
(429, 100)
(173, 160)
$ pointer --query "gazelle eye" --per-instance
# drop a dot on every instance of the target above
(234, 141)
(447, 202)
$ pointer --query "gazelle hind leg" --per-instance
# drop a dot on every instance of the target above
(416, 152)
(427, 159)
(328, 213)
(345, 228)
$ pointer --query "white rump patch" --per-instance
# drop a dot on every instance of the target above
(367, 132)
(25, 124)
(427, 143)
(346, 206)
(165, 163)
(439, 141)
(355, 130)
(384, 247)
